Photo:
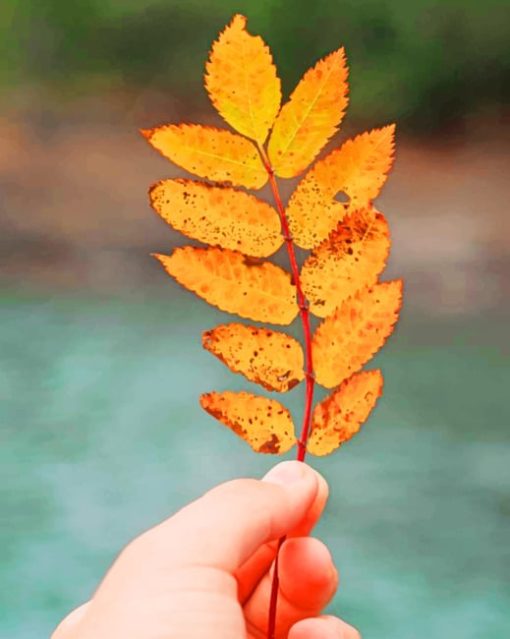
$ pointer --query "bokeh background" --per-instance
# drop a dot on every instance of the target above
(100, 357)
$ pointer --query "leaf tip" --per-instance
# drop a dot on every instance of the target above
(390, 130)
(207, 338)
(396, 288)
(147, 133)
(204, 400)
(238, 21)
(162, 259)
(376, 374)
(153, 190)
(338, 55)
(387, 134)
(399, 285)
(338, 58)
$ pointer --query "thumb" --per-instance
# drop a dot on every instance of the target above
(225, 527)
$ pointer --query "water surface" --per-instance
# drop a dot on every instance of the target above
(102, 436)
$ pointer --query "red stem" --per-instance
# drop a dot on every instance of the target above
(310, 379)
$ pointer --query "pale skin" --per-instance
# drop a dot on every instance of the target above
(206, 572)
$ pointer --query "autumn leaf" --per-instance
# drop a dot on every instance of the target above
(241, 81)
(210, 153)
(264, 356)
(350, 258)
(218, 215)
(330, 212)
(265, 424)
(310, 117)
(227, 279)
(339, 417)
(358, 169)
(346, 340)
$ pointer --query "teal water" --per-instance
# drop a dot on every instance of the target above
(102, 436)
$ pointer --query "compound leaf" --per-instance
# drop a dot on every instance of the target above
(272, 359)
(357, 169)
(229, 280)
(265, 424)
(350, 258)
(348, 338)
(310, 117)
(218, 215)
(339, 417)
(349, 240)
(241, 81)
(210, 153)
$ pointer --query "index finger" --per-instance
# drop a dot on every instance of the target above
(255, 567)
(228, 524)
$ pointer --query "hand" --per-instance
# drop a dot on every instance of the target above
(205, 573)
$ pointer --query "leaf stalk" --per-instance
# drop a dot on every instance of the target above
(304, 313)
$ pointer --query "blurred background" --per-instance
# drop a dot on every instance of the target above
(100, 357)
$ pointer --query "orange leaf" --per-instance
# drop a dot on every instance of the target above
(241, 81)
(340, 416)
(211, 153)
(265, 424)
(346, 340)
(273, 360)
(352, 257)
(310, 117)
(228, 280)
(358, 168)
(218, 215)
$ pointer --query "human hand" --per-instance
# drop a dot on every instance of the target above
(206, 571)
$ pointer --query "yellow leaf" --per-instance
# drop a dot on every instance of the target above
(229, 280)
(352, 257)
(273, 360)
(218, 215)
(265, 424)
(241, 81)
(310, 117)
(346, 340)
(340, 416)
(358, 169)
(211, 153)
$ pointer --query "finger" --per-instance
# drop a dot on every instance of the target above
(69, 623)
(252, 571)
(228, 524)
(325, 627)
(308, 581)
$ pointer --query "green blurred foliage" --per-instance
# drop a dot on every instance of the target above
(425, 63)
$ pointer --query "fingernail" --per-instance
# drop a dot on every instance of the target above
(285, 473)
